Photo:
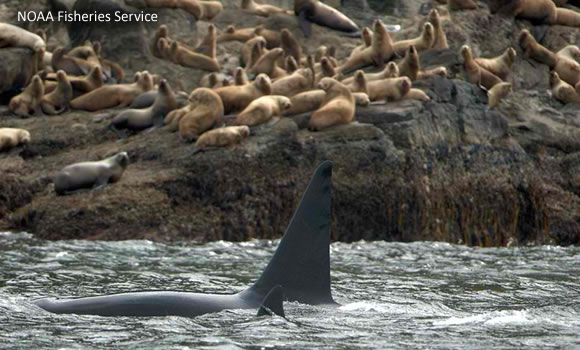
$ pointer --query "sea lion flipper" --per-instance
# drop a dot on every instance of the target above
(305, 24)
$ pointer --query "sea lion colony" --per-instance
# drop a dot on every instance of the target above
(284, 80)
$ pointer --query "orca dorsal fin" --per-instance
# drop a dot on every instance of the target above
(272, 303)
(301, 263)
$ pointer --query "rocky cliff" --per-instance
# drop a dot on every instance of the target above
(451, 169)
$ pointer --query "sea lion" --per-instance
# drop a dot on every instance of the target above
(497, 93)
(257, 43)
(211, 9)
(13, 36)
(263, 109)
(309, 101)
(440, 41)
(236, 98)
(359, 84)
(416, 94)
(422, 42)
(233, 34)
(291, 65)
(161, 32)
(188, 58)
(290, 45)
(27, 103)
(476, 74)
(263, 10)
(410, 65)
(314, 11)
(88, 83)
(437, 71)
(204, 111)
(338, 106)
(71, 65)
(458, 5)
(223, 137)
(57, 101)
(11, 137)
(297, 82)
(568, 70)
(90, 174)
(240, 77)
(500, 65)
(381, 50)
(367, 37)
(214, 80)
(392, 89)
(390, 71)
(326, 69)
(563, 91)
(117, 95)
(268, 64)
(141, 119)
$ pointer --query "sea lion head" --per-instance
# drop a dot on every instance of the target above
(285, 103)
(320, 52)
(162, 31)
(326, 83)
(23, 136)
(434, 17)
(61, 76)
(392, 70)
(367, 36)
(285, 35)
(211, 31)
(263, 83)
(428, 33)
(291, 65)
(277, 52)
(240, 76)
(122, 159)
(465, 52)
(243, 130)
(511, 54)
(359, 76)
(362, 99)
(230, 29)
(404, 85)
(164, 87)
(525, 38)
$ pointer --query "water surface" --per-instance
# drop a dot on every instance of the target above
(394, 295)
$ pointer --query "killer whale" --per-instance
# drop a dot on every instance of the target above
(298, 271)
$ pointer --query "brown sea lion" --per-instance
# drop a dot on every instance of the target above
(338, 106)
(390, 71)
(500, 65)
(263, 10)
(204, 111)
(233, 34)
(240, 77)
(141, 119)
(562, 91)
(257, 43)
(290, 45)
(571, 52)
(421, 43)
(410, 65)
(297, 82)
(367, 37)
(440, 41)
(314, 11)
(71, 65)
(268, 64)
(117, 95)
(11, 137)
(13, 36)
(263, 109)
(161, 32)
(497, 93)
(88, 83)
(568, 69)
(381, 50)
(91, 174)
(392, 89)
(326, 69)
(273, 37)
(57, 101)
(211, 9)
(236, 98)
(188, 58)
(309, 101)
(359, 84)
(458, 5)
(223, 137)
(291, 65)
(213, 80)
(437, 71)
(27, 103)
(476, 74)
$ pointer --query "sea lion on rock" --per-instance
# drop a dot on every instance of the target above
(309, 101)
(314, 11)
(497, 93)
(257, 43)
(440, 41)
(211, 9)
(263, 10)
(500, 65)
(233, 34)
(141, 119)
(11, 137)
(268, 64)
(326, 69)
(338, 106)
(290, 45)
(437, 71)
(236, 98)
(390, 71)
(416, 94)
(161, 32)
(297, 82)
(476, 74)
(57, 101)
(71, 65)
(410, 65)
(223, 137)
(204, 111)
(571, 51)
(381, 50)
(13, 36)
(543, 11)
(188, 58)
(263, 109)
(393, 89)
(214, 80)
(117, 95)
(273, 37)
(562, 91)
(422, 42)
(240, 77)
(90, 174)
(88, 83)
(27, 103)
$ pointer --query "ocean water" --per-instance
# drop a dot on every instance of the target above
(423, 295)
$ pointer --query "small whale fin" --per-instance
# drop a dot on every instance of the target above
(273, 303)
(301, 263)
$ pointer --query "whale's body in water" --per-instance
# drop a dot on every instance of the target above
(298, 271)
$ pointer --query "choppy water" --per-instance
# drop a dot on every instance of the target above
(394, 295)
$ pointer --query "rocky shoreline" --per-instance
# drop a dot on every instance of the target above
(451, 169)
